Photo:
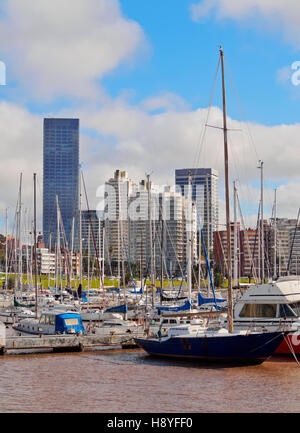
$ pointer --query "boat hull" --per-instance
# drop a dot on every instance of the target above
(235, 349)
(284, 347)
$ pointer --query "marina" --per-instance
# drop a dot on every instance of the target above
(150, 230)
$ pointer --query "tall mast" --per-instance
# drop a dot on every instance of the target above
(6, 248)
(119, 257)
(161, 251)
(189, 241)
(34, 234)
(89, 252)
(80, 229)
(103, 252)
(19, 236)
(71, 255)
(50, 235)
(58, 248)
(100, 252)
(235, 242)
(262, 221)
(150, 237)
(229, 308)
(208, 231)
(275, 236)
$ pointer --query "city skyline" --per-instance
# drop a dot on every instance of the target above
(143, 103)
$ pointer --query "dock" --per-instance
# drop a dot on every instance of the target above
(65, 343)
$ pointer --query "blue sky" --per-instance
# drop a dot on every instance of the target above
(139, 75)
(185, 54)
(182, 59)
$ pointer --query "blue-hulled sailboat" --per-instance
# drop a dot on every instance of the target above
(215, 343)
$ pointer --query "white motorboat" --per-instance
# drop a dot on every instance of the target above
(269, 307)
(52, 323)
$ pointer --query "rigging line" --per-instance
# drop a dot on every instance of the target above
(202, 136)
(91, 225)
(241, 107)
(257, 228)
(290, 346)
(247, 239)
(292, 246)
(67, 252)
(223, 252)
(173, 248)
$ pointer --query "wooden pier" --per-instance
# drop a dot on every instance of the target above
(65, 343)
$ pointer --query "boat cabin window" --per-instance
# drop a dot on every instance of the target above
(286, 311)
(296, 308)
(51, 320)
(43, 319)
(258, 310)
(173, 321)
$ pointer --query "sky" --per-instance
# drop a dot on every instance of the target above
(140, 76)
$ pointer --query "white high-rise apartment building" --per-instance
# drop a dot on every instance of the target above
(205, 187)
(169, 229)
(117, 192)
(127, 228)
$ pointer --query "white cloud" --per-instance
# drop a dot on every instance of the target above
(134, 140)
(165, 101)
(21, 152)
(280, 15)
(129, 138)
(62, 48)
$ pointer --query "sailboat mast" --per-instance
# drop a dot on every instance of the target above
(19, 236)
(235, 242)
(189, 241)
(275, 236)
(6, 247)
(161, 249)
(58, 248)
(229, 308)
(150, 238)
(35, 258)
(80, 230)
(262, 221)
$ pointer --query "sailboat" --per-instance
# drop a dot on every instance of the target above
(215, 343)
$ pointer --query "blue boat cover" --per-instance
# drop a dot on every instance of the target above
(66, 321)
(118, 309)
(202, 300)
(186, 306)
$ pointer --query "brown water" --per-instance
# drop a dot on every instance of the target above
(130, 381)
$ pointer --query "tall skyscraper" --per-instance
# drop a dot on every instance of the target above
(205, 194)
(61, 178)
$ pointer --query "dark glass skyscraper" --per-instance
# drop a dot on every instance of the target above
(61, 177)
